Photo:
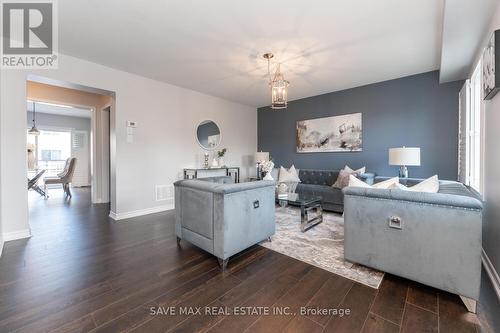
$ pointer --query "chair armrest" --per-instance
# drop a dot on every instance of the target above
(441, 199)
(223, 188)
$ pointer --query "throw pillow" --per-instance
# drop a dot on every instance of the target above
(429, 185)
(343, 177)
(360, 170)
(353, 181)
(289, 175)
(386, 184)
(295, 173)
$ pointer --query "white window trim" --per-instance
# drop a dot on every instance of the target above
(477, 74)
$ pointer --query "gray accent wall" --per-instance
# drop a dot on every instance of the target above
(414, 111)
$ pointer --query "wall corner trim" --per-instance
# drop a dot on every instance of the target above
(1, 246)
(15, 235)
(492, 273)
(141, 212)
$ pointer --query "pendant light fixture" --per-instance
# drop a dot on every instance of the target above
(278, 85)
(34, 130)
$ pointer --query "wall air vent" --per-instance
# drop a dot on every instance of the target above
(164, 192)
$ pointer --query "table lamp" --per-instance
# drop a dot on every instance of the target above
(404, 157)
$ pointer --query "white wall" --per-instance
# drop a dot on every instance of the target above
(491, 222)
(1, 158)
(164, 141)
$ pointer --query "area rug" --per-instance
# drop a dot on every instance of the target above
(321, 246)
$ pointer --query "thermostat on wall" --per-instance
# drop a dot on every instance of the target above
(131, 125)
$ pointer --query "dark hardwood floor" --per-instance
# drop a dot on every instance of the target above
(82, 272)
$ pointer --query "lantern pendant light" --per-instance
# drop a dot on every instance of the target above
(278, 85)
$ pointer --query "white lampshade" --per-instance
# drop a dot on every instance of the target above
(261, 156)
(407, 156)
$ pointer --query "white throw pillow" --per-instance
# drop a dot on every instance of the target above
(289, 175)
(430, 185)
(294, 172)
(386, 184)
(360, 170)
(353, 181)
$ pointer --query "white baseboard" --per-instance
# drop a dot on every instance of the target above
(1, 246)
(492, 273)
(10, 236)
(141, 212)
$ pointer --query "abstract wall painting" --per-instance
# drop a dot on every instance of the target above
(491, 54)
(330, 134)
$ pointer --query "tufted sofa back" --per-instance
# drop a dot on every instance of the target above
(318, 177)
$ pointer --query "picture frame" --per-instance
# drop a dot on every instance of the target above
(342, 133)
(491, 64)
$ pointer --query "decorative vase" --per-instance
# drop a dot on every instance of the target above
(215, 164)
(268, 176)
(205, 161)
(221, 162)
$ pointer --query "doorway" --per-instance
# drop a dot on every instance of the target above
(72, 123)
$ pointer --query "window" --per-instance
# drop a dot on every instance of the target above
(470, 132)
(51, 155)
(52, 148)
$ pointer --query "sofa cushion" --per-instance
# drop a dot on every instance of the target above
(327, 193)
(318, 177)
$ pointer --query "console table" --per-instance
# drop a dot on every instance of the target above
(192, 173)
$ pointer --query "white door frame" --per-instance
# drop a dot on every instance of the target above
(97, 157)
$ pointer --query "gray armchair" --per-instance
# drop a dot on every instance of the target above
(224, 219)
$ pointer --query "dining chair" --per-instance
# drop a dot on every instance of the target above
(64, 178)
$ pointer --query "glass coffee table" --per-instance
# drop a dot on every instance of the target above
(309, 205)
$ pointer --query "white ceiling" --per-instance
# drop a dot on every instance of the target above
(61, 110)
(216, 47)
(465, 24)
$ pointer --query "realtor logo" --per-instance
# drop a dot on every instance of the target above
(29, 34)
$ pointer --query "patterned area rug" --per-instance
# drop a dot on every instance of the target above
(321, 246)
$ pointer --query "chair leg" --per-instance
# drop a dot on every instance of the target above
(470, 304)
(45, 190)
(67, 190)
(223, 263)
(178, 241)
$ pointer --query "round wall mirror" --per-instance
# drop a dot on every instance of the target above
(208, 135)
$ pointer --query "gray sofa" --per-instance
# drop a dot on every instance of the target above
(431, 238)
(223, 218)
(319, 183)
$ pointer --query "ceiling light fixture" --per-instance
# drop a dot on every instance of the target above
(34, 130)
(278, 84)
